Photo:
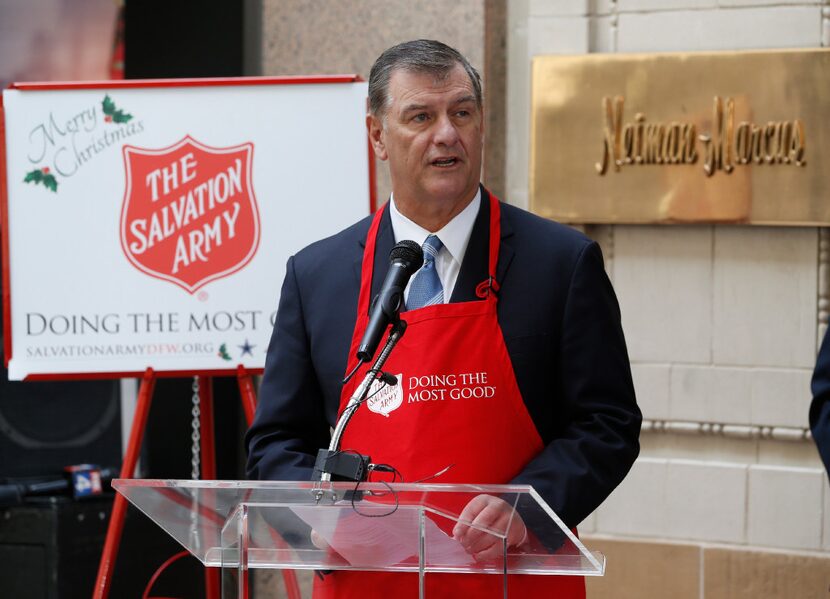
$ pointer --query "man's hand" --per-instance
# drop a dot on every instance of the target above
(493, 513)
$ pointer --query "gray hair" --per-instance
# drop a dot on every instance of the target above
(419, 56)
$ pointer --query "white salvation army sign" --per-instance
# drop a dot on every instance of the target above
(147, 224)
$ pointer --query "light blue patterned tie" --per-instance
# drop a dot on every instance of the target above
(426, 288)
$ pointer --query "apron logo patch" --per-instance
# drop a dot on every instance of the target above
(383, 398)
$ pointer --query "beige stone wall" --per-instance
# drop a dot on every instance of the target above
(649, 569)
(722, 323)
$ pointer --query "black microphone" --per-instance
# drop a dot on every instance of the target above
(389, 379)
(404, 261)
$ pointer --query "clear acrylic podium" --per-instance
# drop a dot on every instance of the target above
(241, 525)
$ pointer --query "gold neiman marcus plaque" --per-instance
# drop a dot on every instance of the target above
(739, 137)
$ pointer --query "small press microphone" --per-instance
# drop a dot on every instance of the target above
(404, 261)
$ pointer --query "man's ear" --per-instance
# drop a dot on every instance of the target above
(374, 127)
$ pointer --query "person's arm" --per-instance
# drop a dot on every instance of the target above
(599, 442)
(820, 406)
(290, 423)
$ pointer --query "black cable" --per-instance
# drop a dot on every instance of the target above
(387, 468)
(376, 372)
(384, 468)
(383, 515)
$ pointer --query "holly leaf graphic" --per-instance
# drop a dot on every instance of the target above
(50, 182)
(108, 105)
(223, 352)
(113, 113)
(119, 116)
(34, 176)
(42, 176)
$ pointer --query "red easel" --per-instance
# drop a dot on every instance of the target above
(208, 472)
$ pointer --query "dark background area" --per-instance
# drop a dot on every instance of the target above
(184, 39)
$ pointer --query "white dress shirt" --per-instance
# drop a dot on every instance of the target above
(455, 236)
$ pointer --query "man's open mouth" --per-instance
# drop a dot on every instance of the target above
(444, 162)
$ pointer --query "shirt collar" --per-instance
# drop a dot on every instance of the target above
(455, 235)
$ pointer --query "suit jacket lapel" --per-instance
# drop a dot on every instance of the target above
(383, 246)
(505, 249)
(474, 265)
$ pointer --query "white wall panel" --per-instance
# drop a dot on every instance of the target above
(781, 397)
(548, 8)
(785, 507)
(722, 29)
(663, 279)
(658, 5)
(651, 384)
(638, 506)
(706, 501)
(557, 35)
(764, 311)
(707, 394)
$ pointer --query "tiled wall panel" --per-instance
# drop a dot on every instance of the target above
(651, 384)
(548, 8)
(785, 507)
(638, 506)
(764, 306)
(663, 279)
(706, 501)
(558, 35)
(721, 29)
(660, 5)
(709, 394)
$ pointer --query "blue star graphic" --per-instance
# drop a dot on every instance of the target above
(247, 348)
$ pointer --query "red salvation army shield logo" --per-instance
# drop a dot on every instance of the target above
(189, 214)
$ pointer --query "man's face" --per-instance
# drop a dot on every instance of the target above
(431, 135)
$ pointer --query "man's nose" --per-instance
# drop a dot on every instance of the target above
(445, 131)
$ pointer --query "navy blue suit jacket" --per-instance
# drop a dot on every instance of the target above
(561, 324)
(820, 407)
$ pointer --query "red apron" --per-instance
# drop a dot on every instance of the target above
(460, 405)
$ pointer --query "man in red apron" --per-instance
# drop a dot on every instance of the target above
(513, 367)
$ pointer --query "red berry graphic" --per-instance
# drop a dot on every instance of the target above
(45, 170)
(108, 119)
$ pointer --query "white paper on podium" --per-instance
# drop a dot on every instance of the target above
(382, 540)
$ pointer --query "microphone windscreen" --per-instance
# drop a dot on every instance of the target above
(410, 253)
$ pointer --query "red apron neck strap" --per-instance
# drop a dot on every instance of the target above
(495, 236)
(482, 290)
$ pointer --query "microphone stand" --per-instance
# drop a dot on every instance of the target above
(353, 466)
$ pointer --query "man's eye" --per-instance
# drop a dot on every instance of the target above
(420, 117)
(463, 113)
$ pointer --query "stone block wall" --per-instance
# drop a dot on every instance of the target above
(722, 324)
